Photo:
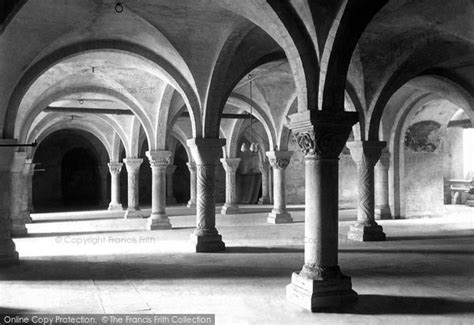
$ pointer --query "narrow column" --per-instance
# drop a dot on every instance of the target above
(366, 154)
(18, 228)
(115, 168)
(192, 184)
(206, 155)
(382, 207)
(159, 161)
(230, 166)
(320, 284)
(279, 160)
(264, 169)
(26, 193)
(270, 183)
(8, 253)
(133, 169)
(170, 199)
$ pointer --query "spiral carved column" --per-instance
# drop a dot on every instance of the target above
(8, 253)
(159, 161)
(264, 169)
(192, 184)
(382, 206)
(115, 168)
(18, 187)
(279, 160)
(133, 169)
(230, 166)
(206, 154)
(320, 283)
(366, 154)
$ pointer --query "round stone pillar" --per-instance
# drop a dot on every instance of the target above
(279, 160)
(8, 253)
(115, 168)
(133, 169)
(382, 207)
(366, 154)
(17, 198)
(159, 161)
(206, 153)
(27, 190)
(264, 169)
(170, 199)
(192, 184)
(320, 284)
(230, 166)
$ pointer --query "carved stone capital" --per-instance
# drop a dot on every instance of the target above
(159, 158)
(115, 168)
(133, 164)
(230, 164)
(279, 159)
(206, 151)
(366, 152)
(320, 134)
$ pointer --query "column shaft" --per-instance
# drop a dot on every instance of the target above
(115, 168)
(17, 188)
(230, 166)
(279, 161)
(27, 172)
(264, 169)
(382, 205)
(159, 161)
(133, 169)
(192, 184)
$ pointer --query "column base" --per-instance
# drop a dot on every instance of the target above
(115, 207)
(191, 204)
(321, 293)
(264, 200)
(134, 214)
(8, 254)
(18, 230)
(279, 217)
(158, 221)
(27, 217)
(382, 213)
(230, 209)
(207, 242)
(362, 232)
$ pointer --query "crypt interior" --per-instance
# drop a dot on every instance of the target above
(278, 161)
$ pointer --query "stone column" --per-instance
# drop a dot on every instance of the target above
(29, 181)
(264, 169)
(115, 168)
(382, 207)
(320, 284)
(279, 160)
(8, 253)
(133, 169)
(230, 166)
(206, 155)
(270, 183)
(366, 154)
(170, 199)
(159, 161)
(17, 188)
(192, 184)
(27, 189)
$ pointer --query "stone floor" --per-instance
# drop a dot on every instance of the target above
(96, 262)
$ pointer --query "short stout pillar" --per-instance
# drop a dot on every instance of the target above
(17, 198)
(206, 151)
(279, 160)
(170, 199)
(264, 169)
(366, 154)
(8, 253)
(133, 169)
(115, 168)
(382, 207)
(230, 166)
(159, 161)
(192, 184)
(320, 284)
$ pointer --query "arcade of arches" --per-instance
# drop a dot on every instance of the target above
(361, 113)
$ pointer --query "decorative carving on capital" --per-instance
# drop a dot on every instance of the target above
(322, 143)
(279, 163)
(133, 164)
(159, 158)
(115, 168)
